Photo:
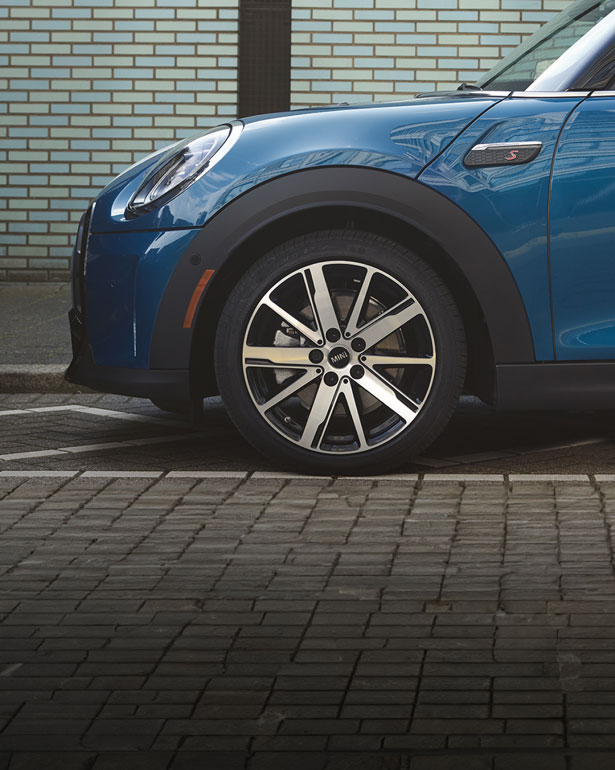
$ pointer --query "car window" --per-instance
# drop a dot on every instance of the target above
(524, 65)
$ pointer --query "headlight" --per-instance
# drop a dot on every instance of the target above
(181, 171)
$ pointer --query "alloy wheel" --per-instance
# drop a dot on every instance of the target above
(339, 357)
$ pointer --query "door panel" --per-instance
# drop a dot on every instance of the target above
(582, 234)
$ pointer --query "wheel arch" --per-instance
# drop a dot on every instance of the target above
(366, 199)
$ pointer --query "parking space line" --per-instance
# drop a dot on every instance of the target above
(122, 474)
(38, 474)
(433, 462)
(284, 475)
(101, 446)
(260, 475)
(113, 413)
(465, 477)
(207, 474)
(130, 416)
(513, 477)
(83, 448)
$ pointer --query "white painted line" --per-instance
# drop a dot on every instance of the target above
(465, 477)
(160, 439)
(130, 416)
(92, 447)
(207, 474)
(547, 477)
(30, 455)
(38, 474)
(468, 477)
(65, 408)
(123, 474)
(11, 669)
(112, 413)
(103, 446)
(83, 448)
(432, 462)
(400, 477)
(285, 475)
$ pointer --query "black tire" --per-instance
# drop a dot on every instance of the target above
(439, 313)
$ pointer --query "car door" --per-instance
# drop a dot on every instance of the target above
(582, 233)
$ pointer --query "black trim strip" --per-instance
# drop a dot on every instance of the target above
(570, 385)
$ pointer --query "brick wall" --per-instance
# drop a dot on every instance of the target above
(91, 85)
(357, 50)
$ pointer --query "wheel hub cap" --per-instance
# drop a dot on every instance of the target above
(339, 357)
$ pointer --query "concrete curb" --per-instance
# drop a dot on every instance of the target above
(36, 378)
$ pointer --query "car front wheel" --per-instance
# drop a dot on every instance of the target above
(340, 352)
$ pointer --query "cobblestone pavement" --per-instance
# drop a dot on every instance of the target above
(101, 432)
(308, 624)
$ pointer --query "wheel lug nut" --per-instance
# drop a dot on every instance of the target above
(333, 335)
(331, 378)
(356, 371)
(316, 356)
(358, 344)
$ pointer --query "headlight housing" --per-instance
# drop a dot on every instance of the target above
(181, 171)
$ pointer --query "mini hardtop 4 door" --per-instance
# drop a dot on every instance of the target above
(341, 275)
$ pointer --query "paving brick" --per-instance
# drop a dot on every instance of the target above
(421, 641)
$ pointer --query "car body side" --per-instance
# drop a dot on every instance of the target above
(396, 169)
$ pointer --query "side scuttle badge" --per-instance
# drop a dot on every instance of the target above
(502, 154)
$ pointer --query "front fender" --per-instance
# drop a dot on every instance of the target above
(411, 202)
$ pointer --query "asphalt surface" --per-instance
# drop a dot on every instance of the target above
(34, 324)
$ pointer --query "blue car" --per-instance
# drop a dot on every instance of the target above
(341, 275)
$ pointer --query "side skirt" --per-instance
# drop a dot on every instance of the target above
(587, 385)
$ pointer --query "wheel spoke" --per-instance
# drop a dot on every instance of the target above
(388, 395)
(358, 304)
(389, 322)
(392, 360)
(308, 333)
(353, 410)
(277, 356)
(289, 390)
(320, 298)
(320, 413)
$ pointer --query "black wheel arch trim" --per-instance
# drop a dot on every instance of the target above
(411, 202)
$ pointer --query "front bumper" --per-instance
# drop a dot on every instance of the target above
(156, 384)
